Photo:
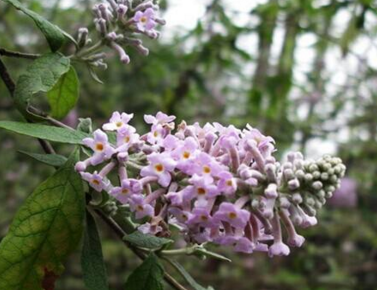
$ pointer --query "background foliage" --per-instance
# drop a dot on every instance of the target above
(301, 71)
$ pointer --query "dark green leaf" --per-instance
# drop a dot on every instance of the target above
(146, 241)
(64, 95)
(49, 159)
(54, 35)
(46, 229)
(187, 276)
(45, 132)
(40, 76)
(93, 267)
(148, 276)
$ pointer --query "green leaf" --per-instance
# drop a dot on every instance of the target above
(49, 159)
(54, 35)
(93, 267)
(148, 276)
(64, 95)
(40, 76)
(146, 241)
(45, 230)
(187, 276)
(50, 133)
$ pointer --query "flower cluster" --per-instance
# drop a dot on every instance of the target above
(118, 23)
(216, 184)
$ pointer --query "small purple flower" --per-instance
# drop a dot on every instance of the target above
(124, 192)
(182, 216)
(145, 21)
(157, 134)
(227, 184)
(126, 137)
(117, 121)
(95, 180)
(101, 147)
(150, 229)
(141, 208)
(205, 165)
(229, 213)
(201, 216)
(264, 143)
(201, 188)
(160, 166)
(278, 249)
(160, 118)
(186, 153)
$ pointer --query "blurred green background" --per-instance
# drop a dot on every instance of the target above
(301, 71)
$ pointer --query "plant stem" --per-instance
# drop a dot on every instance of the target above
(17, 54)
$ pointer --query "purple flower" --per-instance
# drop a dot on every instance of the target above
(160, 118)
(182, 216)
(124, 192)
(229, 213)
(201, 188)
(264, 143)
(278, 249)
(117, 121)
(141, 208)
(126, 137)
(101, 147)
(227, 184)
(145, 20)
(157, 135)
(205, 165)
(160, 166)
(185, 153)
(95, 180)
(201, 216)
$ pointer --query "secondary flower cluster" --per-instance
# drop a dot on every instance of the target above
(118, 24)
(216, 184)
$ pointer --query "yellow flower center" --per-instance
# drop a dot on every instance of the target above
(143, 19)
(206, 169)
(96, 182)
(232, 215)
(99, 147)
(229, 182)
(155, 133)
(159, 167)
(127, 139)
(204, 218)
(119, 124)
(125, 191)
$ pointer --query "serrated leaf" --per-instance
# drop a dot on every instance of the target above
(40, 76)
(64, 95)
(188, 277)
(50, 133)
(148, 276)
(55, 160)
(93, 267)
(45, 230)
(54, 35)
(146, 241)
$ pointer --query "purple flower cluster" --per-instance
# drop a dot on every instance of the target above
(215, 183)
(118, 24)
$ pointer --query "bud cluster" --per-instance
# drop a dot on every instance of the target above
(118, 24)
(216, 184)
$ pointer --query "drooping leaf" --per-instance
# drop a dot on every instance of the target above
(148, 276)
(93, 267)
(55, 160)
(64, 95)
(146, 241)
(54, 35)
(188, 277)
(50, 133)
(45, 230)
(40, 76)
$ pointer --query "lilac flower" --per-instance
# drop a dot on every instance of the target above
(145, 20)
(101, 147)
(126, 137)
(229, 213)
(181, 215)
(117, 121)
(160, 118)
(157, 135)
(227, 184)
(161, 166)
(141, 208)
(95, 180)
(201, 216)
(201, 188)
(205, 165)
(124, 192)
(185, 153)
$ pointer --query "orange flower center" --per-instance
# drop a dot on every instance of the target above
(96, 182)
(204, 218)
(125, 191)
(143, 19)
(127, 139)
(186, 155)
(99, 147)
(201, 191)
(229, 182)
(159, 167)
(206, 169)
(232, 215)
(140, 208)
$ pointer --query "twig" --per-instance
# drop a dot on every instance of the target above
(17, 54)
(120, 233)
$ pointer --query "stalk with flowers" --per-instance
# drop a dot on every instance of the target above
(212, 185)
